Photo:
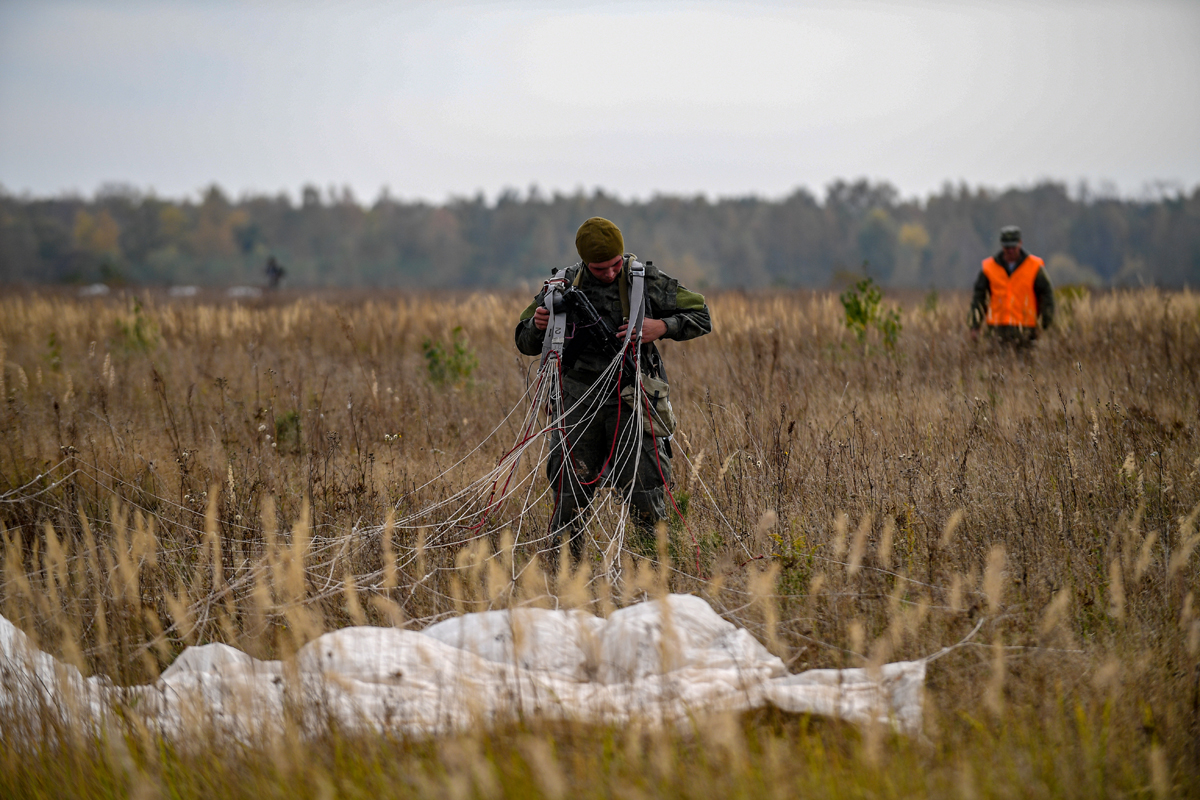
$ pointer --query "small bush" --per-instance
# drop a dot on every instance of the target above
(137, 333)
(863, 307)
(53, 352)
(449, 362)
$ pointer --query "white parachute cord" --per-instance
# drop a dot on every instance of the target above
(545, 385)
(717, 507)
(511, 460)
(462, 460)
(594, 396)
(551, 359)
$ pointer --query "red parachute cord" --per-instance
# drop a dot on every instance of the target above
(658, 463)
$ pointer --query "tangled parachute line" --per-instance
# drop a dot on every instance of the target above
(505, 497)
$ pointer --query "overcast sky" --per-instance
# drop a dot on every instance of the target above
(451, 98)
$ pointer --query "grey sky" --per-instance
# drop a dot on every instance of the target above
(434, 99)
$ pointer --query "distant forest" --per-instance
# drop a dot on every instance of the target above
(121, 236)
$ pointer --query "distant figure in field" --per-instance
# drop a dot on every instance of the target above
(1013, 295)
(275, 273)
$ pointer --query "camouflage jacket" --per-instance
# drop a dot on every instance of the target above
(684, 312)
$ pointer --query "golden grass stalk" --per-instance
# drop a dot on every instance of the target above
(993, 578)
(951, 526)
(993, 696)
(1116, 591)
(885, 542)
(858, 545)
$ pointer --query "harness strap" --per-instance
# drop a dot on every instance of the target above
(637, 297)
(556, 329)
(623, 288)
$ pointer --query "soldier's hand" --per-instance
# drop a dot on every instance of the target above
(541, 318)
(652, 329)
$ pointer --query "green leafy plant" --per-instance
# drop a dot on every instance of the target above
(53, 352)
(449, 362)
(864, 310)
(138, 333)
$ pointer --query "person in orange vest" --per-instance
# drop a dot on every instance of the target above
(1013, 295)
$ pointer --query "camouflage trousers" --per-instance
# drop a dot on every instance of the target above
(638, 469)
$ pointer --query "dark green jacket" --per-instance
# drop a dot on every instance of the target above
(1043, 293)
(684, 312)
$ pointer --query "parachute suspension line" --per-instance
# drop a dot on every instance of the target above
(475, 509)
(546, 387)
(525, 437)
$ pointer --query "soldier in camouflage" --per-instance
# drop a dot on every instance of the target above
(672, 312)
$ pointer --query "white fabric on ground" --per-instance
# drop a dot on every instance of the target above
(664, 661)
(562, 643)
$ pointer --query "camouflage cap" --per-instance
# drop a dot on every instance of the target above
(599, 240)
(1010, 235)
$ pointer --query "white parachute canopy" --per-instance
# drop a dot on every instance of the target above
(660, 661)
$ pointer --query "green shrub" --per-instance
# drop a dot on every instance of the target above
(449, 362)
(863, 307)
(53, 352)
(137, 333)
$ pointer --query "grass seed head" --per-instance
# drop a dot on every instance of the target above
(841, 524)
(993, 696)
(1145, 555)
(956, 593)
(951, 526)
(1116, 591)
(993, 578)
(539, 754)
(859, 545)
(885, 542)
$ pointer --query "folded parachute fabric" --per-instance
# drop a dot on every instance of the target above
(660, 661)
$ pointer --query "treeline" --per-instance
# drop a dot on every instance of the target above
(330, 239)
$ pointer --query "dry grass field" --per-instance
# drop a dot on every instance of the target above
(175, 472)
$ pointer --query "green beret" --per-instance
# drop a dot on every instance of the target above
(598, 240)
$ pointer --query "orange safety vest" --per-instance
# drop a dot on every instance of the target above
(1013, 301)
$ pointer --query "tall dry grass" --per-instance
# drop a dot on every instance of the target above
(848, 504)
